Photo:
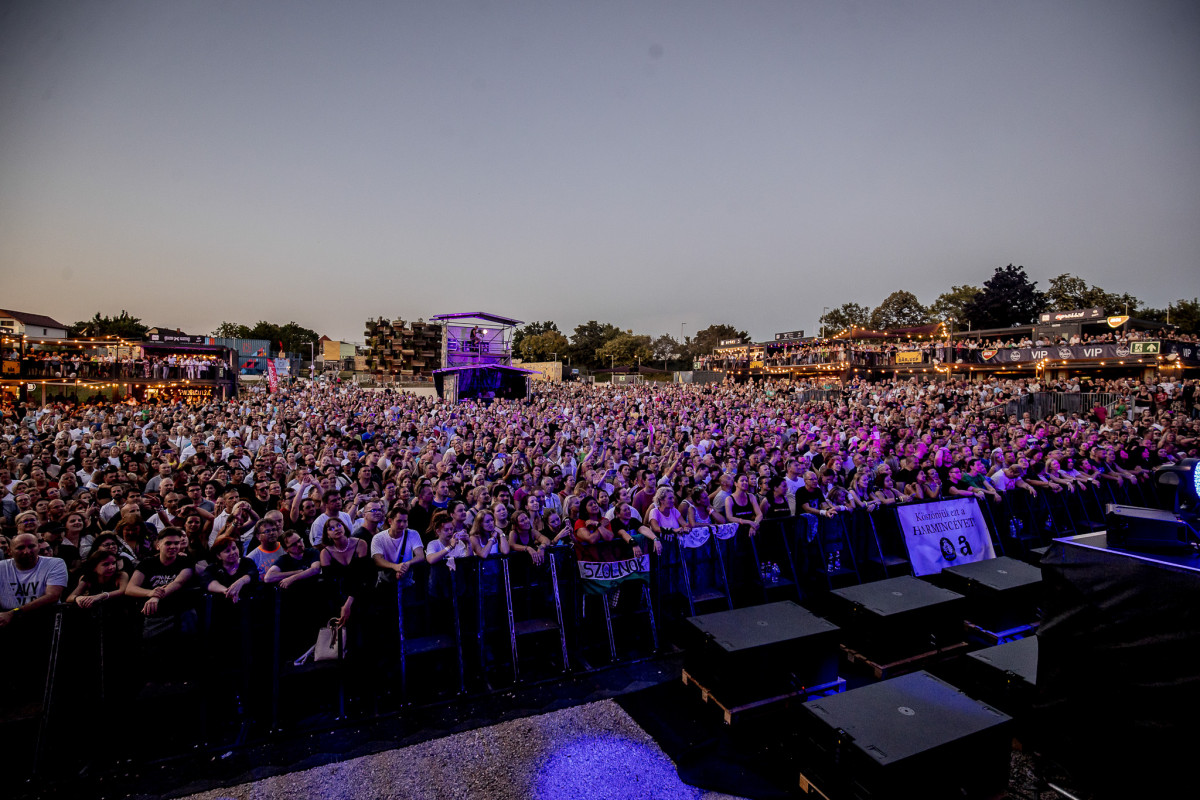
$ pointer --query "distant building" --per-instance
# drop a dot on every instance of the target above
(165, 332)
(34, 325)
(403, 350)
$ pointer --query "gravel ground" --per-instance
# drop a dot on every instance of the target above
(594, 751)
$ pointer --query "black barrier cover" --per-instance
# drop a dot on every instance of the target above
(1118, 683)
(232, 667)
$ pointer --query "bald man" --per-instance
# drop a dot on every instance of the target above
(29, 581)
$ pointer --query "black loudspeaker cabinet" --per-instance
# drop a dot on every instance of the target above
(1148, 530)
(899, 616)
(1006, 675)
(908, 737)
(752, 653)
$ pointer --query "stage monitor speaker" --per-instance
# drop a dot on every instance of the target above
(1148, 530)
(912, 736)
(751, 653)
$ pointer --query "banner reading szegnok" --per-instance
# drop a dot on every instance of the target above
(944, 534)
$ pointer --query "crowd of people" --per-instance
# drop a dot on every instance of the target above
(105, 362)
(929, 349)
(142, 504)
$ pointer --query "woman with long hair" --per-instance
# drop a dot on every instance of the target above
(524, 538)
(485, 539)
(742, 507)
(347, 559)
(700, 510)
(100, 579)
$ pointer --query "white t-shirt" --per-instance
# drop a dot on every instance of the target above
(458, 549)
(1001, 482)
(394, 550)
(19, 587)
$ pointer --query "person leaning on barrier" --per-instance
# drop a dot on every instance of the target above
(229, 572)
(742, 507)
(297, 563)
(486, 540)
(665, 518)
(593, 535)
(100, 580)
(397, 548)
(29, 582)
(523, 537)
(161, 576)
(700, 511)
(775, 503)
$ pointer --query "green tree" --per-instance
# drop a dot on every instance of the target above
(541, 346)
(952, 305)
(625, 349)
(1008, 298)
(666, 347)
(845, 317)
(588, 338)
(125, 326)
(899, 309)
(231, 330)
(293, 336)
(1067, 292)
(1183, 314)
(705, 340)
(532, 329)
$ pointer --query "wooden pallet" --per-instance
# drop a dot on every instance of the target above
(904, 666)
(732, 712)
(808, 787)
(1000, 637)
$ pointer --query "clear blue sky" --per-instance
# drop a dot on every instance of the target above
(643, 163)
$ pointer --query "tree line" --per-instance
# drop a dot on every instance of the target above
(292, 336)
(1006, 299)
(600, 345)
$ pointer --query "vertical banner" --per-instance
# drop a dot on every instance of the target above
(272, 377)
(944, 534)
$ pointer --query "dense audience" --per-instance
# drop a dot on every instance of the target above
(107, 362)
(931, 349)
(145, 505)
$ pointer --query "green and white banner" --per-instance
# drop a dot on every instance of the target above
(599, 577)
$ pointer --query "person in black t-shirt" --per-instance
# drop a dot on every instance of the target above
(229, 573)
(775, 505)
(906, 475)
(163, 575)
(296, 564)
(808, 497)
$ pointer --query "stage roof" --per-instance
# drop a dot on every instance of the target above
(481, 315)
(503, 367)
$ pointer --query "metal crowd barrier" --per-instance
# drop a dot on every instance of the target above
(235, 668)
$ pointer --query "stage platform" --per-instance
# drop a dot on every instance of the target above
(594, 751)
(633, 726)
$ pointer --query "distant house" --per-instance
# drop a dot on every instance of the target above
(33, 325)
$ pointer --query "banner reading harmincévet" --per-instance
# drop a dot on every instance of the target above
(944, 534)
